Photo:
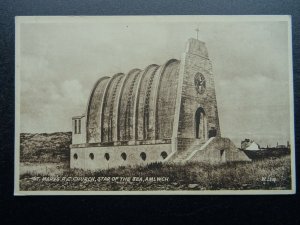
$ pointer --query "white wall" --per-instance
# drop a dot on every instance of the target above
(153, 154)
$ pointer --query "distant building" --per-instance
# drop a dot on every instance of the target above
(280, 146)
(283, 146)
(250, 145)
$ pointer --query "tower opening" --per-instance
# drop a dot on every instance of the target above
(200, 124)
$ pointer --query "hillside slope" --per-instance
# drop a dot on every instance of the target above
(45, 147)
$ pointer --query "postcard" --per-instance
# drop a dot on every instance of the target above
(154, 105)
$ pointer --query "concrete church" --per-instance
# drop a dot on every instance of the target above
(164, 113)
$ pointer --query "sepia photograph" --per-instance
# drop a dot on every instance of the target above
(164, 105)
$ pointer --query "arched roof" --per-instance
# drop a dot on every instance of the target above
(137, 106)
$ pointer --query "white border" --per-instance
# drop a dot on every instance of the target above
(150, 19)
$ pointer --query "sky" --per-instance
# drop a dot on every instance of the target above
(60, 59)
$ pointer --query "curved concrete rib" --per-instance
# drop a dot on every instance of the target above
(157, 88)
(123, 101)
(104, 102)
(136, 101)
(88, 108)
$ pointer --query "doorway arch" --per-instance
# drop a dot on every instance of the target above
(200, 124)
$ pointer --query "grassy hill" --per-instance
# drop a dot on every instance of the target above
(45, 147)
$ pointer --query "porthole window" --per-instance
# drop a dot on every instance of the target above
(164, 155)
(143, 156)
(200, 83)
(124, 156)
(106, 156)
(75, 156)
(91, 156)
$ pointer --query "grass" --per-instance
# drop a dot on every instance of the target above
(265, 174)
(43, 169)
(45, 147)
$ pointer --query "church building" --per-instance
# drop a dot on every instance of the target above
(163, 113)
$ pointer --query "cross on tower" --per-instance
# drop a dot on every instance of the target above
(197, 30)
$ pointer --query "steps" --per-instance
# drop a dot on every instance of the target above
(181, 157)
(200, 150)
(197, 147)
(211, 151)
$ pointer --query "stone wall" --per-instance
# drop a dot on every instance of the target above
(97, 158)
(184, 143)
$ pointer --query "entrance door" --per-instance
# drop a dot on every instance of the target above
(200, 122)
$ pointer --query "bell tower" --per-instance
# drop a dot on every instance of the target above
(196, 109)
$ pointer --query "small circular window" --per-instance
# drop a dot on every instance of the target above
(124, 156)
(164, 155)
(91, 156)
(200, 83)
(75, 156)
(143, 156)
(106, 155)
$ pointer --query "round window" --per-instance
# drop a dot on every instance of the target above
(143, 156)
(91, 156)
(124, 156)
(106, 155)
(164, 155)
(200, 83)
(75, 156)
